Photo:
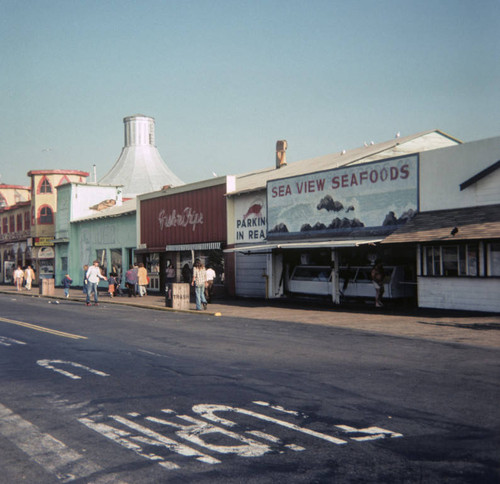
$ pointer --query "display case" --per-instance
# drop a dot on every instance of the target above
(353, 281)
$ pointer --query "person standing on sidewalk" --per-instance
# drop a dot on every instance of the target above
(29, 275)
(18, 278)
(378, 276)
(209, 290)
(199, 282)
(131, 281)
(112, 284)
(66, 283)
(93, 277)
(142, 279)
(85, 280)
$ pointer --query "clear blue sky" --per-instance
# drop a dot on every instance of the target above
(225, 79)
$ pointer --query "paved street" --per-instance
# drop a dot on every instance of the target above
(259, 393)
(436, 325)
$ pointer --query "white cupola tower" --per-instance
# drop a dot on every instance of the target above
(140, 167)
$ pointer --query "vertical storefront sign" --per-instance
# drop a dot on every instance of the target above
(250, 218)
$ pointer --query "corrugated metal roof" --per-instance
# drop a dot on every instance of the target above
(426, 140)
(471, 223)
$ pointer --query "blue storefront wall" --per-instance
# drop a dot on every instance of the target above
(104, 239)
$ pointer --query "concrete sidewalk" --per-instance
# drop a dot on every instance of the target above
(452, 326)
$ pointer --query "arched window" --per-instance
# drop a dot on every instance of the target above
(44, 186)
(3, 202)
(45, 215)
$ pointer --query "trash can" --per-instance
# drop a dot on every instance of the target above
(177, 295)
(46, 287)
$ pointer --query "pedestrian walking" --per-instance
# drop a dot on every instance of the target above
(18, 278)
(118, 288)
(66, 283)
(29, 275)
(131, 281)
(93, 277)
(199, 282)
(112, 284)
(142, 279)
(209, 289)
(85, 281)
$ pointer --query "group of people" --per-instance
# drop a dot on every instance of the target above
(136, 280)
(25, 276)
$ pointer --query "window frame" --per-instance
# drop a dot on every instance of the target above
(19, 222)
(42, 216)
(451, 260)
(44, 186)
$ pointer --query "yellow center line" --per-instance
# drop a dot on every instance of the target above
(41, 328)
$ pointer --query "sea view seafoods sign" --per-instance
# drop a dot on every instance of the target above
(370, 195)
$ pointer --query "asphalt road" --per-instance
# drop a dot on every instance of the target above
(118, 394)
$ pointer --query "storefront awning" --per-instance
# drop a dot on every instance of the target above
(470, 223)
(313, 244)
(199, 246)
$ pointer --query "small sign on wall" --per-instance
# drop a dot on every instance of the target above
(250, 218)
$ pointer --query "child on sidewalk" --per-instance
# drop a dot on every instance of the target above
(66, 282)
(112, 284)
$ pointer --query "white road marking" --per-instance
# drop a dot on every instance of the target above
(50, 453)
(374, 433)
(49, 365)
(195, 431)
(264, 436)
(149, 437)
(208, 412)
(121, 437)
(198, 428)
(4, 341)
(275, 440)
(276, 407)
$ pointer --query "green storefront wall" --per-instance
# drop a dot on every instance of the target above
(111, 240)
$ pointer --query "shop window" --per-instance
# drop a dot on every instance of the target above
(46, 216)
(64, 264)
(44, 186)
(19, 222)
(101, 258)
(116, 261)
(493, 254)
(451, 260)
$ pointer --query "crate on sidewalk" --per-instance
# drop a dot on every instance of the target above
(46, 287)
(177, 295)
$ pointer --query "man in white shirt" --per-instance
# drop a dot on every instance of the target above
(93, 276)
(209, 288)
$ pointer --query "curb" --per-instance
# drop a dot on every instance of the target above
(121, 303)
